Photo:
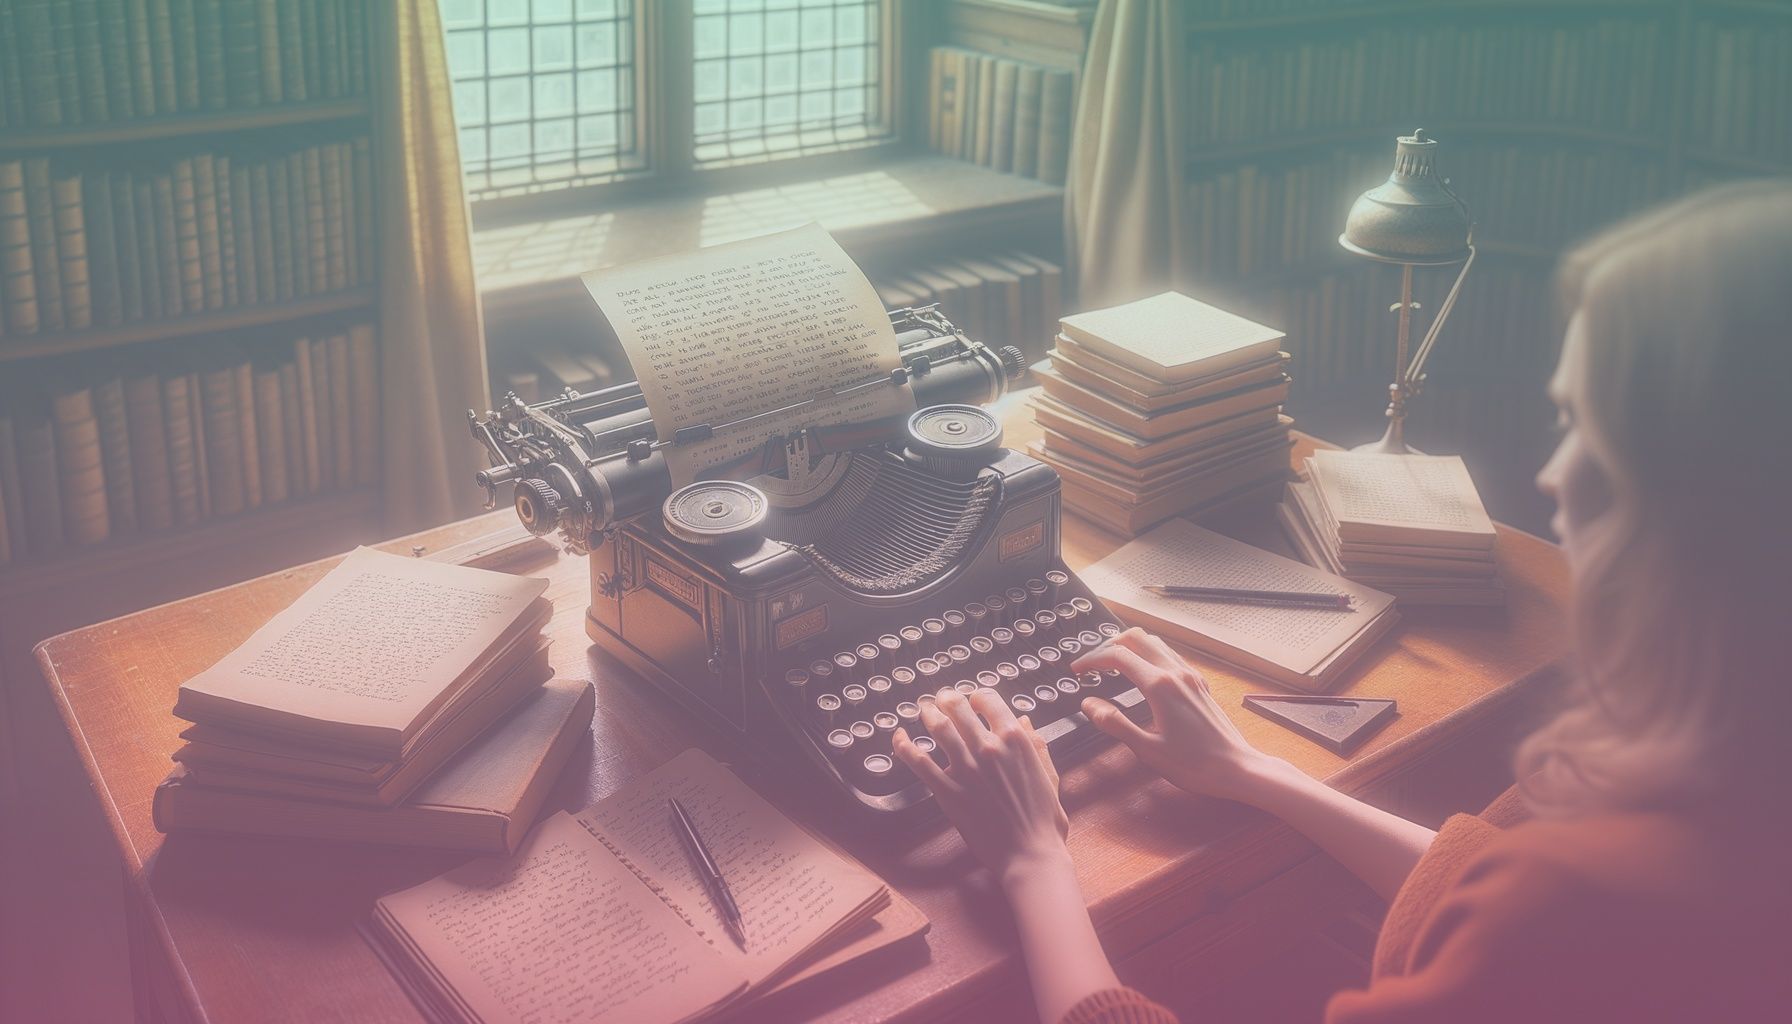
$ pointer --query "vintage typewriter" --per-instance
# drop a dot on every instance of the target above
(813, 598)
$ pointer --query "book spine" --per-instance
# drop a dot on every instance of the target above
(150, 481)
(161, 46)
(321, 414)
(12, 494)
(201, 447)
(1028, 87)
(317, 242)
(96, 106)
(186, 55)
(273, 82)
(142, 62)
(330, 55)
(366, 215)
(270, 435)
(102, 248)
(186, 234)
(334, 208)
(68, 68)
(308, 428)
(223, 439)
(243, 241)
(1001, 145)
(227, 233)
(346, 213)
(293, 86)
(267, 283)
(342, 411)
(206, 233)
(293, 430)
(40, 211)
(18, 278)
(39, 472)
(183, 452)
(244, 375)
(214, 89)
(115, 455)
(161, 255)
(364, 353)
(124, 231)
(984, 141)
(286, 265)
(354, 49)
(37, 57)
(1055, 103)
(13, 110)
(115, 53)
(81, 467)
(242, 63)
(71, 253)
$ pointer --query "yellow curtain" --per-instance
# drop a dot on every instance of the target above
(431, 338)
(1125, 235)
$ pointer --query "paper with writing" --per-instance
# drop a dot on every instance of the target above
(560, 932)
(374, 642)
(746, 328)
(1181, 553)
(1425, 492)
(791, 890)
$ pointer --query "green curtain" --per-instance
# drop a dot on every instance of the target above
(1125, 234)
(431, 337)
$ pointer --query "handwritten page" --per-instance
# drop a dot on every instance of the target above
(561, 931)
(750, 327)
(792, 891)
(1300, 640)
(1418, 492)
(376, 642)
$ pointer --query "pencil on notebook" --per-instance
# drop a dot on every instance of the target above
(1232, 595)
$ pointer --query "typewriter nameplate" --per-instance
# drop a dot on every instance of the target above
(1016, 543)
(794, 629)
(675, 584)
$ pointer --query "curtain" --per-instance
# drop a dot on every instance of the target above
(432, 341)
(1125, 235)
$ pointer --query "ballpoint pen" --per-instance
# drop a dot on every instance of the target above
(1293, 598)
(712, 875)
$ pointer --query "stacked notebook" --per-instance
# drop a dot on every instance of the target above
(606, 918)
(1164, 407)
(398, 701)
(1303, 648)
(1412, 525)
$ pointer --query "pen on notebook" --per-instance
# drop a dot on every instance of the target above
(712, 875)
(1296, 598)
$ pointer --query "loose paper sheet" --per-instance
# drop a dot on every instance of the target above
(1402, 491)
(745, 328)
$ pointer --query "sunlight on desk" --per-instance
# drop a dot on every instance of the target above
(852, 200)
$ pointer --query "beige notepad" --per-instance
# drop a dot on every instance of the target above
(612, 920)
(1171, 338)
(1415, 499)
(1304, 648)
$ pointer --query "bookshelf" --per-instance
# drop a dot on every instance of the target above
(1557, 117)
(186, 209)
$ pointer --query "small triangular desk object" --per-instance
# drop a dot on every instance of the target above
(1338, 724)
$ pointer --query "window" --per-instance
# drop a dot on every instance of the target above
(557, 94)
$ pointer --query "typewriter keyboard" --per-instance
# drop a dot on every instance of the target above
(1018, 642)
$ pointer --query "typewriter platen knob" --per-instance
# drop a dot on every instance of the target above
(715, 513)
(539, 506)
(1014, 361)
(955, 440)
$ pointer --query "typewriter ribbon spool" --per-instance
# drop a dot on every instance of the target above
(715, 513)
(954, 440)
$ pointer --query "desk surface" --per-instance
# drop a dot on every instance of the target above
(265, 929)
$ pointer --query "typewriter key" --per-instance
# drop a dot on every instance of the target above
(981, 646)
(1037, 589)
(1109, 629)
(1090, 680)
(1022, 704)
(1027, 663)
(1002, 636)
(998, 609)
(878, 685)
(1045, 694)
(965, 686)
(862, 730)
(989, 678)
(840, 739)
(1066, 612)
(797, 679)
(1017, 599)
(925, 670)
(960, 654)
(1045, 618)
(909, 712)
(977, 616)
(923, 743)
(926, 700)
(902, 675)
(1071, 646)
(1088, 638)
(934, 629)
(1024, 628)
(1009, 671)
(955, 622)
(885, 721)
(1049, 655)
(868, 653)
(846, 665)
(878, 764)
(944, 659)
(1056, 579)
(828, 704)
(1068, 686)
(890, 642)
(911, 636)
(853, 694)
(1083, 605)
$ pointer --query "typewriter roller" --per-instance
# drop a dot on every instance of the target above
(812, 601)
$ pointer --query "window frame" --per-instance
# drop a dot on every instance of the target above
(664, 126)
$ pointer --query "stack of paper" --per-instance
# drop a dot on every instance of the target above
(399, 700)
(1164, 407)
(1412, 525)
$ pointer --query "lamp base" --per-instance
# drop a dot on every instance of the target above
(1392, 443)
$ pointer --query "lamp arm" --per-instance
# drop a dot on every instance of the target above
(1413, 369)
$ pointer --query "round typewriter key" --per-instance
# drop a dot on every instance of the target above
(998, 608)
(977, 614)
(1017, 597)
(1002, 635)
(1090, 680)
(1083, 605)
(1071, 646)
(923, 743)
(890, 642)
(1057, 578)
(955, 621)
(878, 764)
(1037, 588)
(1045, 618)
(902, 675)
(868, 653)
(908, 711)
(965, 686)
(1066, 611)
(925, 700)
(862, 730)
(1024, 628)
(797, 678)
(1045, 694)
(885, 721)
(853, 694)
(1109, 629)
(933, 628)
(846, 664)
(988, 677)
(944, 659)
(911, 636)
(926, 669)
(822, 669)
(960, 653)
(878, 684)
(1027, 663)
(1008, 670)
(1111, 674)
(1088, 638)
(1022, 704)
(840, 739)
(981, 645)
(1068, 686)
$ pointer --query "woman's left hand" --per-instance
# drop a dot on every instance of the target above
(999, 786)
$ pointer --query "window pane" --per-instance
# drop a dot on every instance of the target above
(543, 92)
(776, 78)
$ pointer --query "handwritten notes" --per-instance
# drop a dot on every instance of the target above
(749, 329)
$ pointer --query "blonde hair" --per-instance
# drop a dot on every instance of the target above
(1683, 395)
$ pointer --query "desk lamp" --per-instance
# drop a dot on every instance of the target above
(1414, 220)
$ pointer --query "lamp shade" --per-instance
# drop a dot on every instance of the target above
(1412, 217)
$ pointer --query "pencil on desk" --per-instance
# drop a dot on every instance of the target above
(1294, 598)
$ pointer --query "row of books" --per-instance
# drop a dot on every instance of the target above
(1164, 407)
(90, 62)
(1005, 297)
(1741, 75)
(1256, 219)
(97, 246)
(1201, 11)
(90, 451)
(1288, 85)
(1006, 114)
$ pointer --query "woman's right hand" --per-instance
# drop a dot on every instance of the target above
(1190, 741)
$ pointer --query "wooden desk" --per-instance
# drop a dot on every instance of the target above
(242, 928)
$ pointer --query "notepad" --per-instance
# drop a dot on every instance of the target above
(1307, 649)
(1171, 338)
(600, 916)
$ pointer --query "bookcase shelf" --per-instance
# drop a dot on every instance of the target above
(1364, 136)
(181, 125)
(1344, 13)
(31, 346)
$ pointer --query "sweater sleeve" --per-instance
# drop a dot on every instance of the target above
(1117, 1006)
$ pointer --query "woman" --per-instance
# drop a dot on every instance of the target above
(1653, 881)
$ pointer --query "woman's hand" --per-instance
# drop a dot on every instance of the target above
(999, 786)
(1191, 742)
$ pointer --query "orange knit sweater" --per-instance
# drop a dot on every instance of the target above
(1637, 917)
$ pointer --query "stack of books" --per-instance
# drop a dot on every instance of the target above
(1410, 525)
(397, 701)
(1164, 407)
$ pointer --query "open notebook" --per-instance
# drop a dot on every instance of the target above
(600, 916)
